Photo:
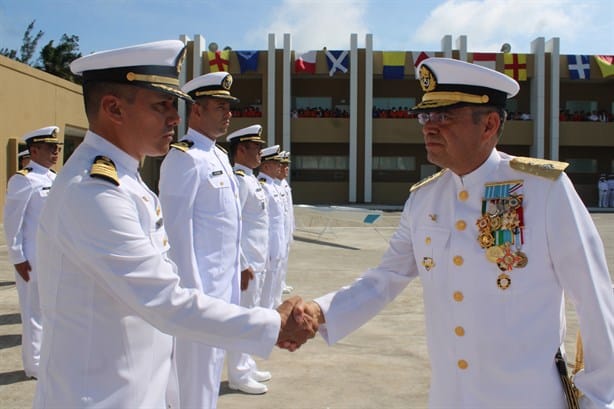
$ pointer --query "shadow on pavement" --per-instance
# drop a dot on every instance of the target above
(324, 243)
(10, 341)
(8, 378)
(10, 319)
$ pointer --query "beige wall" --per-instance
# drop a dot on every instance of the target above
(31, 99)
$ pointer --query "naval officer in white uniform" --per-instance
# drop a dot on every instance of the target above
(290, 225)
(26, 193)
(110, 295)
(276, 205)
(497, 242)
(245, 145)
(200, 198)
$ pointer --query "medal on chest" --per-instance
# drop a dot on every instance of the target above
(501, 228)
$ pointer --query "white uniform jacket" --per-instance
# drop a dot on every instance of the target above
(110, 295)
(494, 348)
(254, 217)
(290, 222)
(200, 198)
(276, 208)
(25, 195)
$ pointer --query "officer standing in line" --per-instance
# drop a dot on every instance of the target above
(200, 198)
(610, 190)
(602, 187)
(284, 159)
(23, 158)
(25, 196)
(276, 206)
(245, 145)
(110, 295)
(499, 243)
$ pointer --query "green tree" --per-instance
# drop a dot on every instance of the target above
(56, 60)
(28, 46)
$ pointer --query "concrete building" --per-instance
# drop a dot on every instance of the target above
(351, 137)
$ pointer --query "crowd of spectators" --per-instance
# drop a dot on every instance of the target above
(319, 113)
(247, 112)
(594, 116)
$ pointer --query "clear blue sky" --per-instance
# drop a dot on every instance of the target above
(583, 26)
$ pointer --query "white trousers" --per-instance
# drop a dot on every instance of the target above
(31, 323)
(240, 365)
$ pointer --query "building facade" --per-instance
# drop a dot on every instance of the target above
(348, 127)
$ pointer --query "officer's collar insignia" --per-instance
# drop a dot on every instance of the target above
(427, 180)
(549, 169)
(262, 180)
(183, 146)
(501, 228)
(239, 172)
(104, 168)
(24, 171)
(428, 81)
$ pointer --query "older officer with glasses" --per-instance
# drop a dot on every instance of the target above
(499, 242)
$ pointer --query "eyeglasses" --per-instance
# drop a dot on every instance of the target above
(435, 117)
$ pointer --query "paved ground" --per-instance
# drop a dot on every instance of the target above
(382, 365)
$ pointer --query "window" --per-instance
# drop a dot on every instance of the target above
(392, 103)
(395, 163)
(582, 165)
(581, 106)
(313, 102)
(325, 162)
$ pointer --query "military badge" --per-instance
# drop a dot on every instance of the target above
(501, 228)
(428, 263)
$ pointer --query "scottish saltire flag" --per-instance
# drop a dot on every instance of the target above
(337, 61)
(606, 64)
(248, 60)
(488, 60)
(306, 62)
(218, 61)
(394, 65)
(579, 67)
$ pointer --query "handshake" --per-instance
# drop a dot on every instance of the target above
(299, 322)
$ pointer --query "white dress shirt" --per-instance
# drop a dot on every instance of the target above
(110, 295)
(494, 348)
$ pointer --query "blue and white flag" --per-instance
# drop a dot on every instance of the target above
(579, 67)
(248, 60)
(337, 61)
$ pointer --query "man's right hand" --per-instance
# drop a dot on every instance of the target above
(23, 269)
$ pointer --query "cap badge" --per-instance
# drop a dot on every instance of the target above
(428, 82)
(227, 82)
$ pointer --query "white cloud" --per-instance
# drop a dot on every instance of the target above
(315, 24)
(490, 23)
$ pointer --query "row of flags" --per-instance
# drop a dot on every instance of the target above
(393, 63)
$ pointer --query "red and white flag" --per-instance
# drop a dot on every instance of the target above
(488, 60)
(306, 62)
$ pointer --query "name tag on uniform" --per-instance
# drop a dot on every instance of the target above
(46, 188)
(217, 173)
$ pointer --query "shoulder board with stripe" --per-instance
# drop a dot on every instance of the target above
(222, 149)
(183, 146)
(239, 172)
(262, 180)
(104, 168)
(427, 180)
(549, 169)
(24, 171)
(52, 171)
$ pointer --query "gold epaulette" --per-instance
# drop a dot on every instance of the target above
(427, 180)
(104, 168)
(549, 169)
(239, 172)
(222, 149)
(183, 146)
(24, 171)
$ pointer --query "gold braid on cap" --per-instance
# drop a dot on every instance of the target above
(132, 76)
(455, 96)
